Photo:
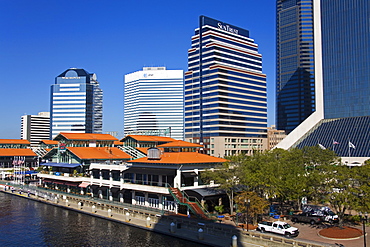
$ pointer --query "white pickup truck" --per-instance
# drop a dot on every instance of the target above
(278, 227)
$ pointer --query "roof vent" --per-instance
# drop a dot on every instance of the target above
(154, 154)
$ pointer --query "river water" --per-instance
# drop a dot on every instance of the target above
(25, 222)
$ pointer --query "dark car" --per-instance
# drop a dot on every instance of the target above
(307, 218)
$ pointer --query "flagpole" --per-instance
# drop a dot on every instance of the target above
(349, 152)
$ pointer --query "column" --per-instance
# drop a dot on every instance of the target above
(146, 203)
(177, 180)
(133, 198)
(196, 178)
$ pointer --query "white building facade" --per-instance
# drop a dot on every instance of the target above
(35, 128)
(154, 102)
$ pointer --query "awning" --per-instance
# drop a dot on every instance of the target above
(203, 192)
(60, 164)
(84, 184)
(71, 184)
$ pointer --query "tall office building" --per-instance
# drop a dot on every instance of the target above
(295, 90)
(225, 90)
(154, 102)
(76, 103)
(35, 128)
(333, 37)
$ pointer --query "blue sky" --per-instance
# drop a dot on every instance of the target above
(42, 38)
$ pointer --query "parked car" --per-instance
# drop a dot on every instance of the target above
(328, 215)
(307, 218)
(278, 227)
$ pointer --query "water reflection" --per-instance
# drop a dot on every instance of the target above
(28, 223)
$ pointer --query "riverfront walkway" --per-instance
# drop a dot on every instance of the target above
(204, 232)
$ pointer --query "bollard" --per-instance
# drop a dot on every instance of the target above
(172, 227)
(93, 209)
(234, 242)
(127, 218)
(67, 203)
(148, 222)
(200, 234)
(109, 212)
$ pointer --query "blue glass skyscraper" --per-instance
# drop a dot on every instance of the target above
(76, 103)
(332, 37)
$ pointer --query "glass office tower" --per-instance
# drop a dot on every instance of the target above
(341, 87)
(225, 90)
(295, 83)
(154, 102)
(343, 40)
(346, 57)
(76, 103)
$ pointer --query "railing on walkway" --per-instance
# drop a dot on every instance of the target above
(47, 193)
(190, 203)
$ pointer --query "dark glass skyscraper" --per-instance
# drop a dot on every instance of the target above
(342, 50)
(346, 57)
(332, 38)
(295, 88)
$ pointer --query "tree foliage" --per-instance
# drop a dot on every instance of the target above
(288, 175)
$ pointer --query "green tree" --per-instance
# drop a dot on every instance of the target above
(255, 206)
(227, 176)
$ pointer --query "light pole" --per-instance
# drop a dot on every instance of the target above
(364, 220)
(247, 206)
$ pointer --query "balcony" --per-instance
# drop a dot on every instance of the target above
(77, 178)
(128, 184)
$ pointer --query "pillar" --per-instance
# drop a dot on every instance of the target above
(177, 180)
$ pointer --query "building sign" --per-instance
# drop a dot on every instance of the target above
(227, 28)
(62, 147)
(223, 26)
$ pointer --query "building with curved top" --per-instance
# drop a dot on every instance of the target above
(76, 103)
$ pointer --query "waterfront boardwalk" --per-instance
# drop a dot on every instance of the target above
(203, 232)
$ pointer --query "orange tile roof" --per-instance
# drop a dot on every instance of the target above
(181, 158)
(16, 152)
(101, 153)
(118, 143)
(180, 144)
(87, 136)
(14, 141)
(151, 138)
(49, 142)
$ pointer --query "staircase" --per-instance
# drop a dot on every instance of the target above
(133, 152)
(183, 199)
(39, 151)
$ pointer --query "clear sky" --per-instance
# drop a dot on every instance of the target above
(40, 39)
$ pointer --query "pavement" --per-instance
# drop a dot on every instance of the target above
(308, 234)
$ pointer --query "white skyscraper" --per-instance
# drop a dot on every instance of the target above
(154, 101)
(76, 103)
(35, 128)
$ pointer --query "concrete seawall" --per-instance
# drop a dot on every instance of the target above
(204, 232)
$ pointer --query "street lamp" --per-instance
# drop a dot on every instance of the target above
(247, 206)
(364, 220)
